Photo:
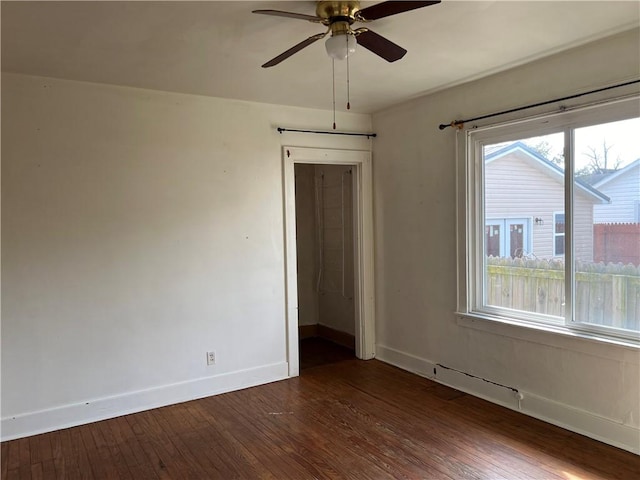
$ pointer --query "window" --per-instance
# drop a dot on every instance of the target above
(558, 233)
(532, 247)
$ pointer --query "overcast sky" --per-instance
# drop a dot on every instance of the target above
(623, 137)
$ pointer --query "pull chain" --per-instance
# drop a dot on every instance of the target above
(348, 103)
(333, 71)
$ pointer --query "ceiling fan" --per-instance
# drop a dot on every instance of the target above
(339, 17)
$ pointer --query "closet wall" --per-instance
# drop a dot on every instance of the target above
(324, 216)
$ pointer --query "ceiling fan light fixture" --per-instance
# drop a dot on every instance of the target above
(341, 46)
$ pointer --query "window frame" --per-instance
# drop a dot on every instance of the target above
(471, 222)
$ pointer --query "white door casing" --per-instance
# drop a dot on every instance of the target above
(364, 298)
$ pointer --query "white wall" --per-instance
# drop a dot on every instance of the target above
(306, 244)
(589, 387)
(139, 230)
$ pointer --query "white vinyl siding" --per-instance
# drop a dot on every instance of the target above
(583, 227)
(624, 192)
(518, 186)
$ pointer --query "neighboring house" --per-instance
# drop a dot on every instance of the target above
(617, 224)
(524, 206)
(623, 188)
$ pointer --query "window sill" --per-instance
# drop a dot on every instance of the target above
(552, 335)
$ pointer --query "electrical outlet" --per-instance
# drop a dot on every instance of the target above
(211, 358)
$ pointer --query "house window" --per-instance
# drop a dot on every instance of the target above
(545, 273)
(558, 233)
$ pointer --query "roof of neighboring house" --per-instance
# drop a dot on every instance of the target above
(550, 168)
(607, 177)
(594, 178)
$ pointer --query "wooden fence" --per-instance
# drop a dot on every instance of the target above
(616, 242)
(605, 294)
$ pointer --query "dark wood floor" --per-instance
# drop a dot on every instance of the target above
(316, 351)
(342, 418)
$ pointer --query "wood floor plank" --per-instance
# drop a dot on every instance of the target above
(444, 395)
(238, 457)
(307, 452)
(12, 460)
(269, 455)
(196, 463)
(36, 471)
(58, 459)
(100, 468)
(4, 459)
(193, 439)
(25, 458)
(388, 442)
(168, 445)
(13, 474)
(549, 447)
(48, 469)
(131, 448)
(132, 451)
(68, 457)
(116, 450)
(109, 449)
(466, 446)
(349, 420)
(164, 462)
(82, 456)
(366, 400)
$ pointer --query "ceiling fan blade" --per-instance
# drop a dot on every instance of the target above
(380, 46)
(292, 50)
(299, 16)
(386, 9)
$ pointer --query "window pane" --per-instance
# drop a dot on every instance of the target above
(523, 193)
(516, 240)
(492, 240)
(606, 194)
(558, 232)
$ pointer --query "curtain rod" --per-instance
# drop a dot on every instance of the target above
(354, 134)
(459, 123)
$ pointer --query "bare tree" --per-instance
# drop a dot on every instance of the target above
(544, 148)
(600, 160)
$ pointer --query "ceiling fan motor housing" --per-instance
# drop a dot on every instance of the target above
(332, 12)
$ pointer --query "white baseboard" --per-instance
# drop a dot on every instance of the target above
(104, 408)
(405, 361)
(559, 414)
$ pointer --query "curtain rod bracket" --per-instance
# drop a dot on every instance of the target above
(459, 124)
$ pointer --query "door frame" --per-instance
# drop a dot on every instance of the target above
(364, 290)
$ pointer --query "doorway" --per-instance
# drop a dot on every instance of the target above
(507, 237)
(329, 254)
(325, 263)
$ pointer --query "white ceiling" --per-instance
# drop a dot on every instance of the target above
(216, 48)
